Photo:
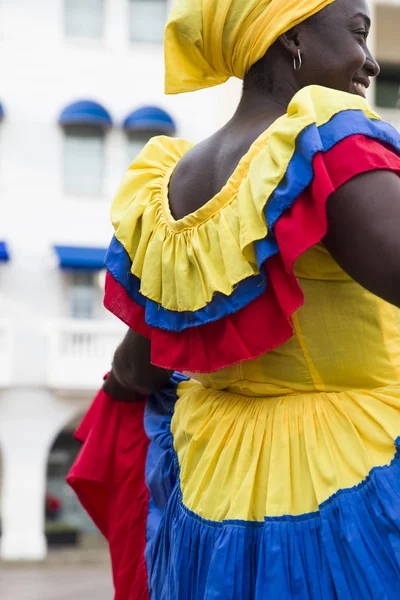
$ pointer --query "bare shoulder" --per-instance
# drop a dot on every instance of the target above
(207, 167)
(192, 182)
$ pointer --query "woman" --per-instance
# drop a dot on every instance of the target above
(263, 261)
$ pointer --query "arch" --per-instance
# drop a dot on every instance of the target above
(66, 520)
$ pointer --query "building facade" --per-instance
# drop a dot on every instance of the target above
(81, 92)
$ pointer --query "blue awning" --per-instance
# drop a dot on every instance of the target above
(150, 118)
(81, 258)
(4, 255)
(85, 112)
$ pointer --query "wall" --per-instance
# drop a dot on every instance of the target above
(41, 72)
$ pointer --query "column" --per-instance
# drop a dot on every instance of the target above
(24, 484)
(30, 420)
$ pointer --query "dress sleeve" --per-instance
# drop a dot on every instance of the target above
(218, 287)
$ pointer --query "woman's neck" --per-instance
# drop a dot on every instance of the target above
(258, 105)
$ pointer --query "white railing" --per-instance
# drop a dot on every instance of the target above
(391, 115)
(80, 353)
(6, 353)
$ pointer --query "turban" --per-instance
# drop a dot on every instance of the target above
(209, 41)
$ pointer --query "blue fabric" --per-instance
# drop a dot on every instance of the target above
(161, 465)
(150, 118)
(298, 177)
(119, 264)
(4, 254)
(350, 549)
(1, 111)
(87, 259)
(85, 112)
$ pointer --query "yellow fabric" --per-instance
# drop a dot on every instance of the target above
(172, 258)
(281, 434)
(209, 41)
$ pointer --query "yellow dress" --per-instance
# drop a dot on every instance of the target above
(278, 460)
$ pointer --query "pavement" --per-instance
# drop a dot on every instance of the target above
(48, 582)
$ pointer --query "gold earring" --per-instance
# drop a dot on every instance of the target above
(296, 66)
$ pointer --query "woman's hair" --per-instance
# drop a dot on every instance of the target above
(259, 78)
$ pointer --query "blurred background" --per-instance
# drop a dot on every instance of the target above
(81, 92)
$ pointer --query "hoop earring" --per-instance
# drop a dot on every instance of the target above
(297, 67)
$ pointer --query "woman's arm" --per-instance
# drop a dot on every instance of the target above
(133, 376)
(364, 232)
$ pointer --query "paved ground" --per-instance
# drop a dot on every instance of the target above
(56, 583)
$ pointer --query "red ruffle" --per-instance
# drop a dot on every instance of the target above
(109, 480)
(265, 323)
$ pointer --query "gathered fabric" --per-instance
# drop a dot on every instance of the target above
(209, 41)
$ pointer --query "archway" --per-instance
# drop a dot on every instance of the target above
(67, 524)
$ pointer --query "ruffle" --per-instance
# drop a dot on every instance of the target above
(217, 287)
(299, 221)
(172, 259)
(109, 480)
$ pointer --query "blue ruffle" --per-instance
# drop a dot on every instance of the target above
(298, 177)
(119, 264)
(349, 550)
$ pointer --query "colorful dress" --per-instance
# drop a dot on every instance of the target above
(271, 470)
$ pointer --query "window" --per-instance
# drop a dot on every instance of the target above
(84, 18)
(147, 20)
(82, 293)
(83, 159)
(136, 142)
(388, 87)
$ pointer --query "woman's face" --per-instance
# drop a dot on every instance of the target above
(335, 50)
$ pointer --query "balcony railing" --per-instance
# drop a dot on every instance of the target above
(80, 353)
(6, 353)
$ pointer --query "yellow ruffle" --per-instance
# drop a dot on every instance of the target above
(182, 264)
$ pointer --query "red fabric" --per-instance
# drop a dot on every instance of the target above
(109, 480)
(118, 301)
(257, 328)
(305, 224)
(265, 323)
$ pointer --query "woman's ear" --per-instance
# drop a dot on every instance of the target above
(290, 41)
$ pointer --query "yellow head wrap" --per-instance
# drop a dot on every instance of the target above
(209, 41)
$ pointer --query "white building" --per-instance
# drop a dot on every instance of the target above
(60, 164)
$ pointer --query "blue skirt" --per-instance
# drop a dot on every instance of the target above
(349, 549)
